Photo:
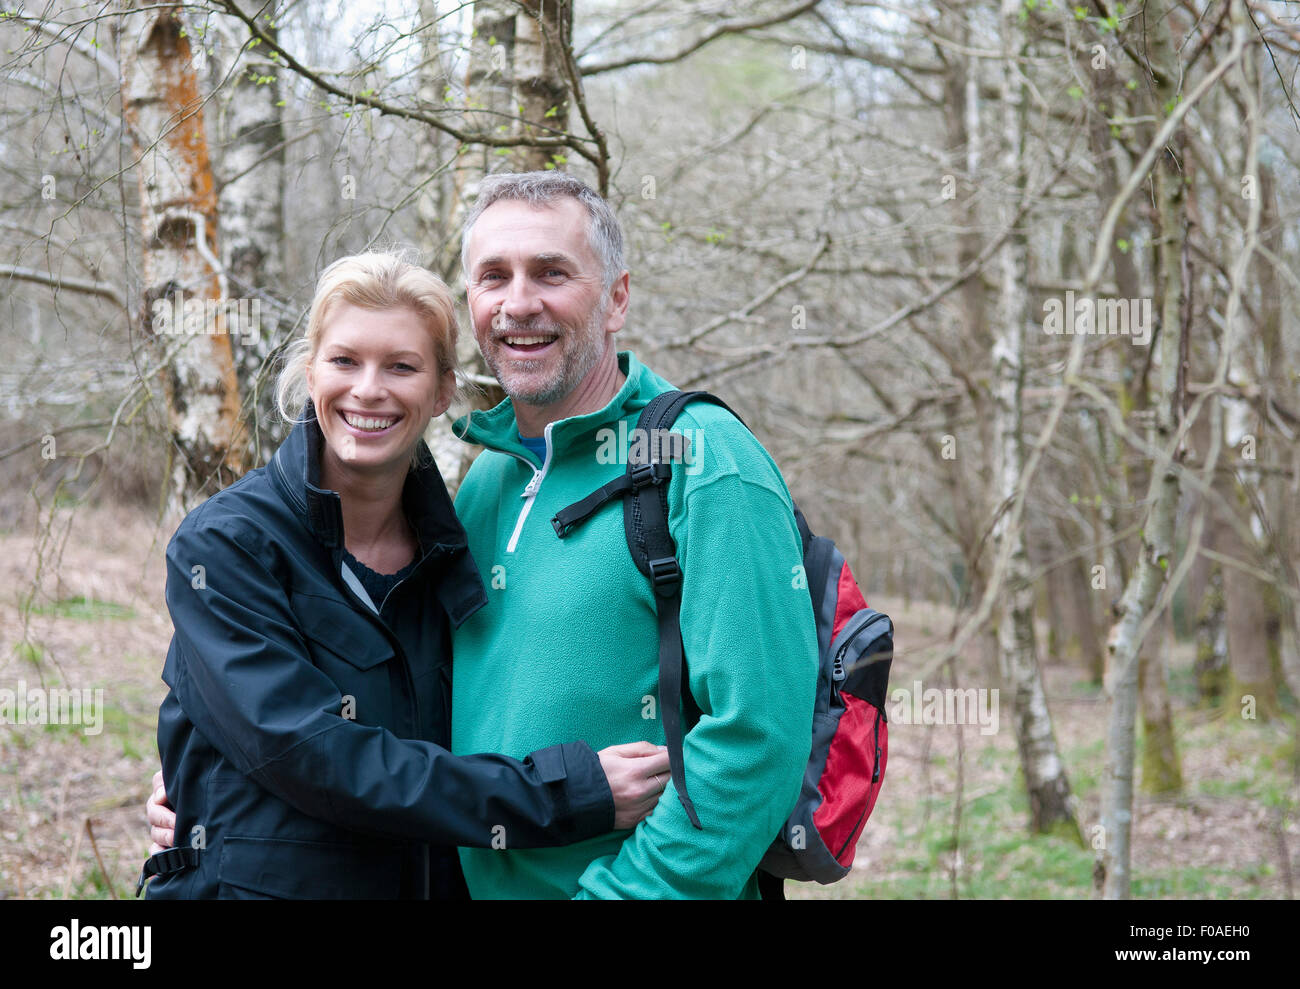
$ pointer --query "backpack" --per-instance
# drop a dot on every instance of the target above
(850, 743)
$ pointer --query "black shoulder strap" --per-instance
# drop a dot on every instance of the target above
(644, 491)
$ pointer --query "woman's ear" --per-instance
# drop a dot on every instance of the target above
(446, 392)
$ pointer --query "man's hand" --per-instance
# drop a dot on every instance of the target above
(637, 773)
(162, 819)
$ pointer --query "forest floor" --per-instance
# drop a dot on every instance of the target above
(71, 801)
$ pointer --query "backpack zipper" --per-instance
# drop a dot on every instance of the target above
(838, 673)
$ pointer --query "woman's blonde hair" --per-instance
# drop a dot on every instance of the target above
(373, 280)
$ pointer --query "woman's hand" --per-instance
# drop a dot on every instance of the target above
(637, 773)
(162, 819)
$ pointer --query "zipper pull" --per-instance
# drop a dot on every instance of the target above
(875, 772)
(838, 673)
(530, 488)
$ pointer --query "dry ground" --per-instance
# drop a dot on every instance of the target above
(98, 621)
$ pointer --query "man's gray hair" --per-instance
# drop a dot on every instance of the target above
(544, 190)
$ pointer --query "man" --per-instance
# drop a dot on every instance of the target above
(567, 646)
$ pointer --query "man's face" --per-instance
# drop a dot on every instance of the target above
(537, 300)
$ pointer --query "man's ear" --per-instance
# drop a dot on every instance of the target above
(618, 300)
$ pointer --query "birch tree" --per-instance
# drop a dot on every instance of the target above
(181, 312)
(250, 156)
(1050, 805)
(1157, 533)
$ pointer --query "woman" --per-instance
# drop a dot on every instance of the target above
(310, 670)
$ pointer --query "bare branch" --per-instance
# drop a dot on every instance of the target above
(63, 282)
(734, 26)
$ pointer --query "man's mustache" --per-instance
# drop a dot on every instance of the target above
(503, 326)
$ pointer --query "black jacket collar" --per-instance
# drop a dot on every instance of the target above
(295, 472)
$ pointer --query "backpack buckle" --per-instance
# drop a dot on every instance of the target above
(665, 573)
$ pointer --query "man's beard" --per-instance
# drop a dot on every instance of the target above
(574, 365)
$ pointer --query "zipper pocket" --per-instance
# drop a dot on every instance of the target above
(875, 778)
(867, 619)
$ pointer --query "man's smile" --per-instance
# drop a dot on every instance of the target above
(529, 343)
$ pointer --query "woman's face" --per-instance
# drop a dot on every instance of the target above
(375, 383)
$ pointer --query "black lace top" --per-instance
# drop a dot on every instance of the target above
(377, 585)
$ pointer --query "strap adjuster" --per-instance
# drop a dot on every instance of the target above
(173, 860)
(665, 573)
(643, 475)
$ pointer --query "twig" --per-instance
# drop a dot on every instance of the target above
(108, 880)
(72, 862)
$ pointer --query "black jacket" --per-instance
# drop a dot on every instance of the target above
(303, 738)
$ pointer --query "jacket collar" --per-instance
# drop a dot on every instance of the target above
(497, 428)
(295, 473)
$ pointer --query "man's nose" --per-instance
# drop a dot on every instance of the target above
(521, 299)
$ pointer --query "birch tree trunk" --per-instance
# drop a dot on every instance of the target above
(541, 91)
(968, 478)
(514, 83)
(488, 103)
(250, 171)
(1157, 533)
(1161, 769)
(1252, 687)
(1211, 667)
(183, 291)
(1050, 804)
(436, 238)
(1075, 623)
(437, 233)
(1280, 493)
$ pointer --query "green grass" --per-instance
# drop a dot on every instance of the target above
(83, 608)
(30, 652)
(1000, 859)
(1194, 882)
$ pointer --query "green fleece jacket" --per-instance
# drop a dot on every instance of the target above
(567, 647)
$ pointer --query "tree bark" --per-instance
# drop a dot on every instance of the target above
(1050, 804)
(1161, 769)
(250, 169)
(1157, 535)
(178, 202)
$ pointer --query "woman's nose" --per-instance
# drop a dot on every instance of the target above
(368, 385)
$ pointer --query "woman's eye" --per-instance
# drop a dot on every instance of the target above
(341, 360)
(403, 367)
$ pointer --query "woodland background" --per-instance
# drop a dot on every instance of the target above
(851, 219)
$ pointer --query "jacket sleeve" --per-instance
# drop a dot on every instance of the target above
(751, 646)
(241, 672)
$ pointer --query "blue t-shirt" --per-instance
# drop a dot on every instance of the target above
(535, 444)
